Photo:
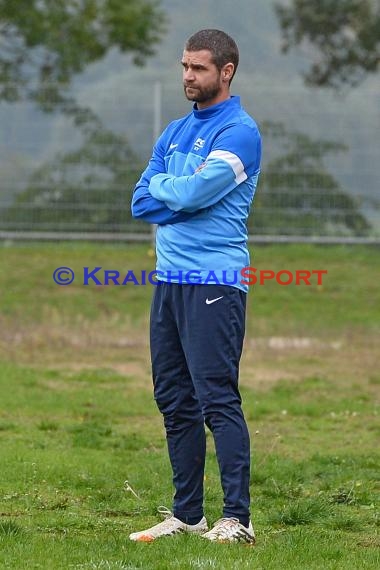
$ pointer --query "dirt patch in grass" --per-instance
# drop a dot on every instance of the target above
(266, 361)
(342, 360)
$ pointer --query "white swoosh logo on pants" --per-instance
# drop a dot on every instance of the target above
(211, 301)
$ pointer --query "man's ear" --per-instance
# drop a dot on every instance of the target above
(228, 71)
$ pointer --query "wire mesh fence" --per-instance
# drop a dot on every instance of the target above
(72, 175)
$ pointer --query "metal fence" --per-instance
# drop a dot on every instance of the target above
(63, 178)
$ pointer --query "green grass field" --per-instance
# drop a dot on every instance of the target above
(77, 418)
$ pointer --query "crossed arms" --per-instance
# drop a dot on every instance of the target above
(162, 198)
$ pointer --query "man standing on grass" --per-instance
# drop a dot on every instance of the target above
(198, 188)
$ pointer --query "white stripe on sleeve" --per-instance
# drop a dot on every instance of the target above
(234, 162)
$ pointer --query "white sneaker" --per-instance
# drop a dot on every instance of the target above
(171, 525)
(231, 530)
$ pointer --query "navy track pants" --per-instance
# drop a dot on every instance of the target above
(196, 339)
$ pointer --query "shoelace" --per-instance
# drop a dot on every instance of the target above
(223, 526)
(164, 511)
(167, 522)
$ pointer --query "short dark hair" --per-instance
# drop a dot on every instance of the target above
(222, 47)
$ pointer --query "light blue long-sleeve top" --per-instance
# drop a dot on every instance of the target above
(198, 187)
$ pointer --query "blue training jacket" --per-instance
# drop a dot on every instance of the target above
(198, 187)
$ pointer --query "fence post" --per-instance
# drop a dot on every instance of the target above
(157, 121)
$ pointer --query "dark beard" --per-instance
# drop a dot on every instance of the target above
(203, 95)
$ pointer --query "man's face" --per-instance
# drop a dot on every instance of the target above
(202, 81)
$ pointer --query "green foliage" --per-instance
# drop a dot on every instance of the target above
(300, 512)
(296, 185)
(344, 34)
(89, 188)
(10, 528)
(45, 43)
